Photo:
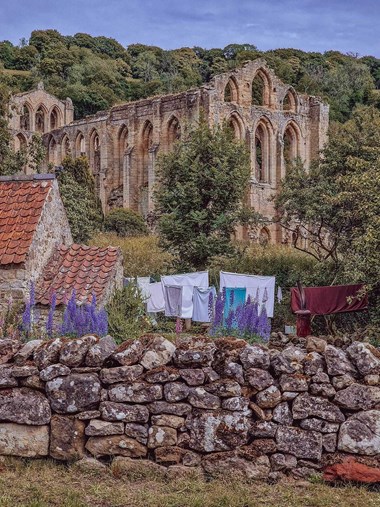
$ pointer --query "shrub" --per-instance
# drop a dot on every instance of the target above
(125, 222)
(126, 314)
(142, 255)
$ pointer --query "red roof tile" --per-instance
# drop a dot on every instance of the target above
(85, 269)
(21, 203)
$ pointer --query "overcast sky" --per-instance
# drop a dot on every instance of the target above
(311, 25)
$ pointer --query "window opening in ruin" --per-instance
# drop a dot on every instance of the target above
(258, 89)
(66, 150)
(290, 146)
(259, 159)
(53, 152)
(231, 91)
(54, 119)
(234, 127)
(174, 131)
(25, 118)
(264, 237)
(289, 102)
(40, 120)
(228, 93)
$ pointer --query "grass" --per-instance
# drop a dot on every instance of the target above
(43, 483)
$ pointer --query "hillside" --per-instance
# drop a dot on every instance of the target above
(98, 72)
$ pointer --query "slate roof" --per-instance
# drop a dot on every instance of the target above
(81, 268)
(21, 202)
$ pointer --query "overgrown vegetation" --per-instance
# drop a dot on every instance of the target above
(83, 207)
(336, 203)
(198, 199)
(142, 255)
(125, 222)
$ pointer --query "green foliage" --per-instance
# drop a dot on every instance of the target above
(142, 255)
(336, 204)
(125, 222)
(98, 72)
(198, 198)
(77, 189)
(126, 314)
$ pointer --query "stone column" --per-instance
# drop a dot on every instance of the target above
(151, 174)
(127, 162)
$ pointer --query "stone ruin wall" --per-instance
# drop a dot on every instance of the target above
(122, 144)
(214, 407)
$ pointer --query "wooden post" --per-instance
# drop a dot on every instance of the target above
(187, 324)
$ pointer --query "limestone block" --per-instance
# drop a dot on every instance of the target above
(66, 438)
(24, 406)
(24, 440)
(74, 393)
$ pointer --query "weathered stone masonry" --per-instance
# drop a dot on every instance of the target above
(122, 144)
(219, 406)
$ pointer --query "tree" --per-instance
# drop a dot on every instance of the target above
(198, 198)
(77, 189)
(336, 204)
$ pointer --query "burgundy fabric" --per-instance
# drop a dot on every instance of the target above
(330, 299)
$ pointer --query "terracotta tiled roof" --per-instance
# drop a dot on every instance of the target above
(21, 203)
(81, 268)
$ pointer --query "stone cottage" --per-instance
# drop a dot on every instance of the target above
(36, 245)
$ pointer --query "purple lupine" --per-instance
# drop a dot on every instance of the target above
(263, 326)
(27, 317)
(50, 319)
(178, 325)
(230, 320)
(102, 321)
(218, 313)
(210, 307)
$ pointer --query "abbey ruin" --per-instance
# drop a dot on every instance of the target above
(122, 144)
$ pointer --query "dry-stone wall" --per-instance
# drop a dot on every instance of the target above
(221, 406)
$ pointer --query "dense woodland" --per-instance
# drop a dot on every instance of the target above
(98, 72)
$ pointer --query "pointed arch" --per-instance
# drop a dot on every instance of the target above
(145, 146)
(122, 148)
(231, 91)
(264, 236)
(95, 152)
(25, 117)
(65, 146)
(52, 151)
(235, 123)
(40, 121)
(291, 143)
(290, 101)
(80, 145)
(173, 131)
(20, 142)
(263, 155)
(55, 118)
(261, 88)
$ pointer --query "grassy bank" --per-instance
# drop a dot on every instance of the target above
(44, 483)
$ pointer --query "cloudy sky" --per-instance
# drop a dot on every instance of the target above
(311, 25)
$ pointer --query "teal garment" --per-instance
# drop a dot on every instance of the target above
(235, 297)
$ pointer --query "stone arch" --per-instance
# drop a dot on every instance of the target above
(291, 143)
(20, 142)
(52, 151)
(65, 146)
(235, 123)
(80, 145)
(263, 155)
(264, 236)
(25, 117)
(261, 89)
(95, 152)
(290, 101)
(55, 118)
(41, 119)
(122, 146)
(231, 91)
(173, 131)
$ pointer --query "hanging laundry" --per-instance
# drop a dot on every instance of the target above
(187, 281)
(255, 286)
(173, 300)
(330, 299)
(201, 303)
(234, 298)
(279, 295)
(142, 283)
(156, 300)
